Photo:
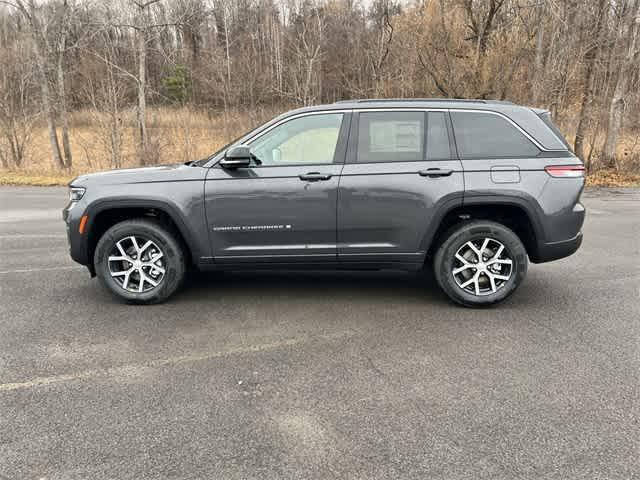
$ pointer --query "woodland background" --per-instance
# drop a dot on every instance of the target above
(88, 84)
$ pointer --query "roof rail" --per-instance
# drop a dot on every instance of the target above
(443, 100)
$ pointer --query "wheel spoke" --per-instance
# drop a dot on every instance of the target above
(492, 280)
(501, 277)
(474, 248)
(462, 259)
(134, 241)
(483, 247)
(461, 269)
(125, 282)
(121, 273)
(501, 261)
(477, 283)
(148, 279)
(145, 246)
(121, 250)
(469, 282)
(498, 252)
(119, 258)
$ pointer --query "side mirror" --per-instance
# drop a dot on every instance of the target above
(237, 157)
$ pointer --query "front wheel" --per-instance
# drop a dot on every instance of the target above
(480, 263)
(140, 261)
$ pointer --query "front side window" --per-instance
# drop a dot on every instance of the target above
(485, 135)
(390, 137)
(311, 139)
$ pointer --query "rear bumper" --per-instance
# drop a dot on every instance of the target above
(548, 252)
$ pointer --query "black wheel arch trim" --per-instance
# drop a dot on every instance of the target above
(172, 211)
(491, 199)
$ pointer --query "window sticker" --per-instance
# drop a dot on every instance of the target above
(395, 136)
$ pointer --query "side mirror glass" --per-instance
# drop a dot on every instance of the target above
(237, 157)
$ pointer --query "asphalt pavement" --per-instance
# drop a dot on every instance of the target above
(319, 375)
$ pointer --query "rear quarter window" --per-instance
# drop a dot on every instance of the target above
(485, 135)
(546, 118)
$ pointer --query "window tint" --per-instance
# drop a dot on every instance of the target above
(483, 135)
(309, 139)
(390, 137)
(437, 137)
(546, 118)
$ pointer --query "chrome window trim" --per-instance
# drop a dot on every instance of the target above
(213, 162)
(463, 110)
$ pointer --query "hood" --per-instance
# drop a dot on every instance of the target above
(155, 173)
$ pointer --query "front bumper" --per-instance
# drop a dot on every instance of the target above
(78, 244)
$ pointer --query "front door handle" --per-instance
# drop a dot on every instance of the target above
(435, 172)
(315, 176)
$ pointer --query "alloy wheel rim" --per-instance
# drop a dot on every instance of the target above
(482, 267)
(136, 264)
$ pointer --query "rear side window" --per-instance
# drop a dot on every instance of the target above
(484, 135)
(390, 137)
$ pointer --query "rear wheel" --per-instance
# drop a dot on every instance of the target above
(140, 261)
(480, 263)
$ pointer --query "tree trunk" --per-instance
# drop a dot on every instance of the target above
(142, 100)
(587, 97)
(62, 102)
(36, 34)
(538, 74)
(49, 113)
(617, 105)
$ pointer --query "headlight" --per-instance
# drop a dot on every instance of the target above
(76, 193)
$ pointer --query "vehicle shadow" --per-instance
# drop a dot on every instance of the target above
(314, 285)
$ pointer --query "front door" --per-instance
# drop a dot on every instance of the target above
(282, 208)
(401, 172)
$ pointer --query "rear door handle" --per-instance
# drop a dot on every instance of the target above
(435, 172)
(315, 176)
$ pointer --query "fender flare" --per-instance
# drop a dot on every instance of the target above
(172, 211)
(529, 206)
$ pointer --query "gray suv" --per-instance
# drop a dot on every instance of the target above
(474, 188)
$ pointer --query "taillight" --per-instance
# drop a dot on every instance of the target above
(565, 171)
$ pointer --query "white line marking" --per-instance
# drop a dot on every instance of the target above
(132, 369)
(28, 270)
(34, 235)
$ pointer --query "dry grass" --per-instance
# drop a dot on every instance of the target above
(613, 178)
(180, 135)
(176, 135)
(14, 177)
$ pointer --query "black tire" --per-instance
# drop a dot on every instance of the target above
(173, 259)
(456, 238)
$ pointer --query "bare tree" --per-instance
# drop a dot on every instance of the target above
(41, 49)
(591, 58)
(17, 116)
(630, 46)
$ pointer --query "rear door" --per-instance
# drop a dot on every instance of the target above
(401, 174)
(282, 208)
